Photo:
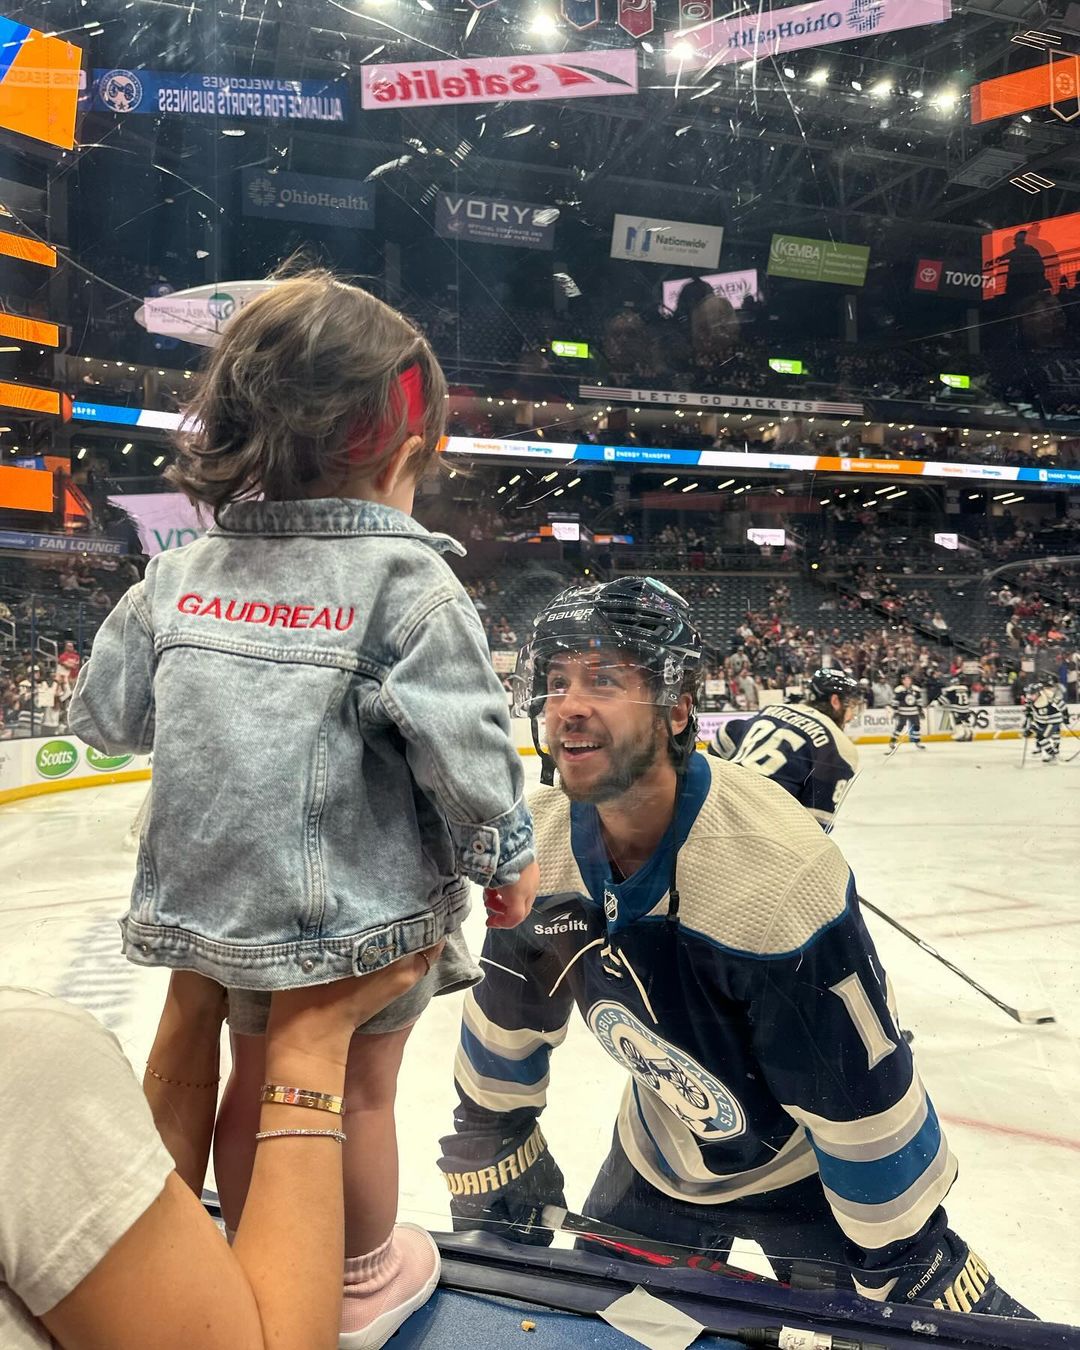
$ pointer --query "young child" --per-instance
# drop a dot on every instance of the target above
(332, 750)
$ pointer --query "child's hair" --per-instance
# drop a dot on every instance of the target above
(305, 381)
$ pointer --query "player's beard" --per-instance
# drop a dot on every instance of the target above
(629, 762)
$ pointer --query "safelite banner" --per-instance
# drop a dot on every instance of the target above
(500, 79)
(765, 32)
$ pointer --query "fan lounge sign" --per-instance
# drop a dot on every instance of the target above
(767, 32)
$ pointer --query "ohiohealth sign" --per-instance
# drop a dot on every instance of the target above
(304, 196)
(765, 32)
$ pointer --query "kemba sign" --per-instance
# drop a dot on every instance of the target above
(500, 79)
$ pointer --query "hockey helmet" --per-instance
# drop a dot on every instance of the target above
(1050, 681)
(825, 682)
(636, 616)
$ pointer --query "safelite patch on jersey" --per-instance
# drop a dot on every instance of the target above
(686, 1089)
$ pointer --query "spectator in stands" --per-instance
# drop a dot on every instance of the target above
(881, 691)
(70, 659)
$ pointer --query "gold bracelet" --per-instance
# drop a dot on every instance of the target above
(173, 1082)
(281, 1134)
(292, 1096)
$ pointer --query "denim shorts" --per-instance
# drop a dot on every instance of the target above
(455, 969)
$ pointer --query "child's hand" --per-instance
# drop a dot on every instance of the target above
(509, 905)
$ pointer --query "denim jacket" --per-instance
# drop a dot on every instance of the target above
(332, 751)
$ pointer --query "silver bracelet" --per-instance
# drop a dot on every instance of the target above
(281, 1134)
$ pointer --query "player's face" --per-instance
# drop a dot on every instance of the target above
(603, 729)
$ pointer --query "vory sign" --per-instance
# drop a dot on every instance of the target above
(766, 32)
(501, 79)
(949, 277)
(489, 220)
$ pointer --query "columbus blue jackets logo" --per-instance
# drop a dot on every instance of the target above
(120, 90)
(690, 1092)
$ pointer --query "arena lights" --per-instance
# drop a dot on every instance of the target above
(669, 481)
(726, 484)
(689, 487)
(882, 89)
(819, 77)
(946, 100)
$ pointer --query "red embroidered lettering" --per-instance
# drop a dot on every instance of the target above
(241, 609)
(299, 616)
(189, 604)
(252, 617)
(212, 609)
(321, 620)
(281, 615)
(341, 627)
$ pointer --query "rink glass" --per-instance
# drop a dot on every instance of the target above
(855, 202)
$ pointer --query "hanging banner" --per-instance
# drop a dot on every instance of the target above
(501, 79)
(581, 13)
(200, 313)
(1053, 84)
(695, 11)
(165, 91)
(637, 17)
(39, 84)
(790, 255)
(766, 32)
(303, 196)
(666, 241)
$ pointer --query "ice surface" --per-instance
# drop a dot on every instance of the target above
(977, 856)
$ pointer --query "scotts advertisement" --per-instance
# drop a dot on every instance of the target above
(680, 242)
(303, 196)
(491, 220)
(761, 33)
(164, 91)
(501, 79)
(734, 287)
(790, 255)
(200, 313)
(951, 278)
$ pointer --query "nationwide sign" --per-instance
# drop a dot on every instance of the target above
(679, 398)
(949, 277)
(791, 255)
(303, 196)
(500, 79)
(492, 220)
(760, 33)
(164, 91)
(675, 242)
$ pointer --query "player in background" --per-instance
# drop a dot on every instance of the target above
(955, 701)
(709, 934)
(1045, 711)
(801, 745)
(907, 707)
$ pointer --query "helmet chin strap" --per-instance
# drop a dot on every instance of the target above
(547, 764)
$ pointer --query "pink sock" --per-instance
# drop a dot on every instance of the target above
(385, 1278)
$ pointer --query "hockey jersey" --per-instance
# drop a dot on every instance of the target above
(1047, 708)
(907, 701)
(756, 1031)
(798, 747)
(957, 696)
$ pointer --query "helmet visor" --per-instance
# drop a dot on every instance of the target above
(550, 667)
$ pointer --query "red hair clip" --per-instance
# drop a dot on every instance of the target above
(409, 388)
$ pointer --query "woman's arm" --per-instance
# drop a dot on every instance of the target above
(172, 1281)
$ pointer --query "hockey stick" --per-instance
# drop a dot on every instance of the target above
(1069, 732)
(1030, 1017)
(1023, 757)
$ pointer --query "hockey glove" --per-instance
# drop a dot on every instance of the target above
(956, 1280)
(505, 1197)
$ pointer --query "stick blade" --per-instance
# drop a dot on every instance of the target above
(1036, 1018)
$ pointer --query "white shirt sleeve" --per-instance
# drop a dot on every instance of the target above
(80, 1159)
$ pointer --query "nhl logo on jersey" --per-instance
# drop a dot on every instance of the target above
(611, 905)
(688, 1091)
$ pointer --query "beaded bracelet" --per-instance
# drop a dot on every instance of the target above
(292, 1096)
(174, 1082)
(281, 1134)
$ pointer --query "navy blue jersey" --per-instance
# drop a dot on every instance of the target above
(957, 697)
(907, 701)
(797, 746)
(1047, 708)
(756, 1032)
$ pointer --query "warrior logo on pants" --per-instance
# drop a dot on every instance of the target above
(686, 1089)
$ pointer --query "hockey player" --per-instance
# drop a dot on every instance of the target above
(801, 745)
(907, 708)
(768, 1093)
(1045, 711)
(955, 700)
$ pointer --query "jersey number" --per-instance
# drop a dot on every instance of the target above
(867, 1023)
(763, 748)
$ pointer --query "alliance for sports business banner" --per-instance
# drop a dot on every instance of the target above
(766, 32)
(678, 242)
(164, 91)
(791, 255)
(500, 79)
(304, 196)
(492, 220)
